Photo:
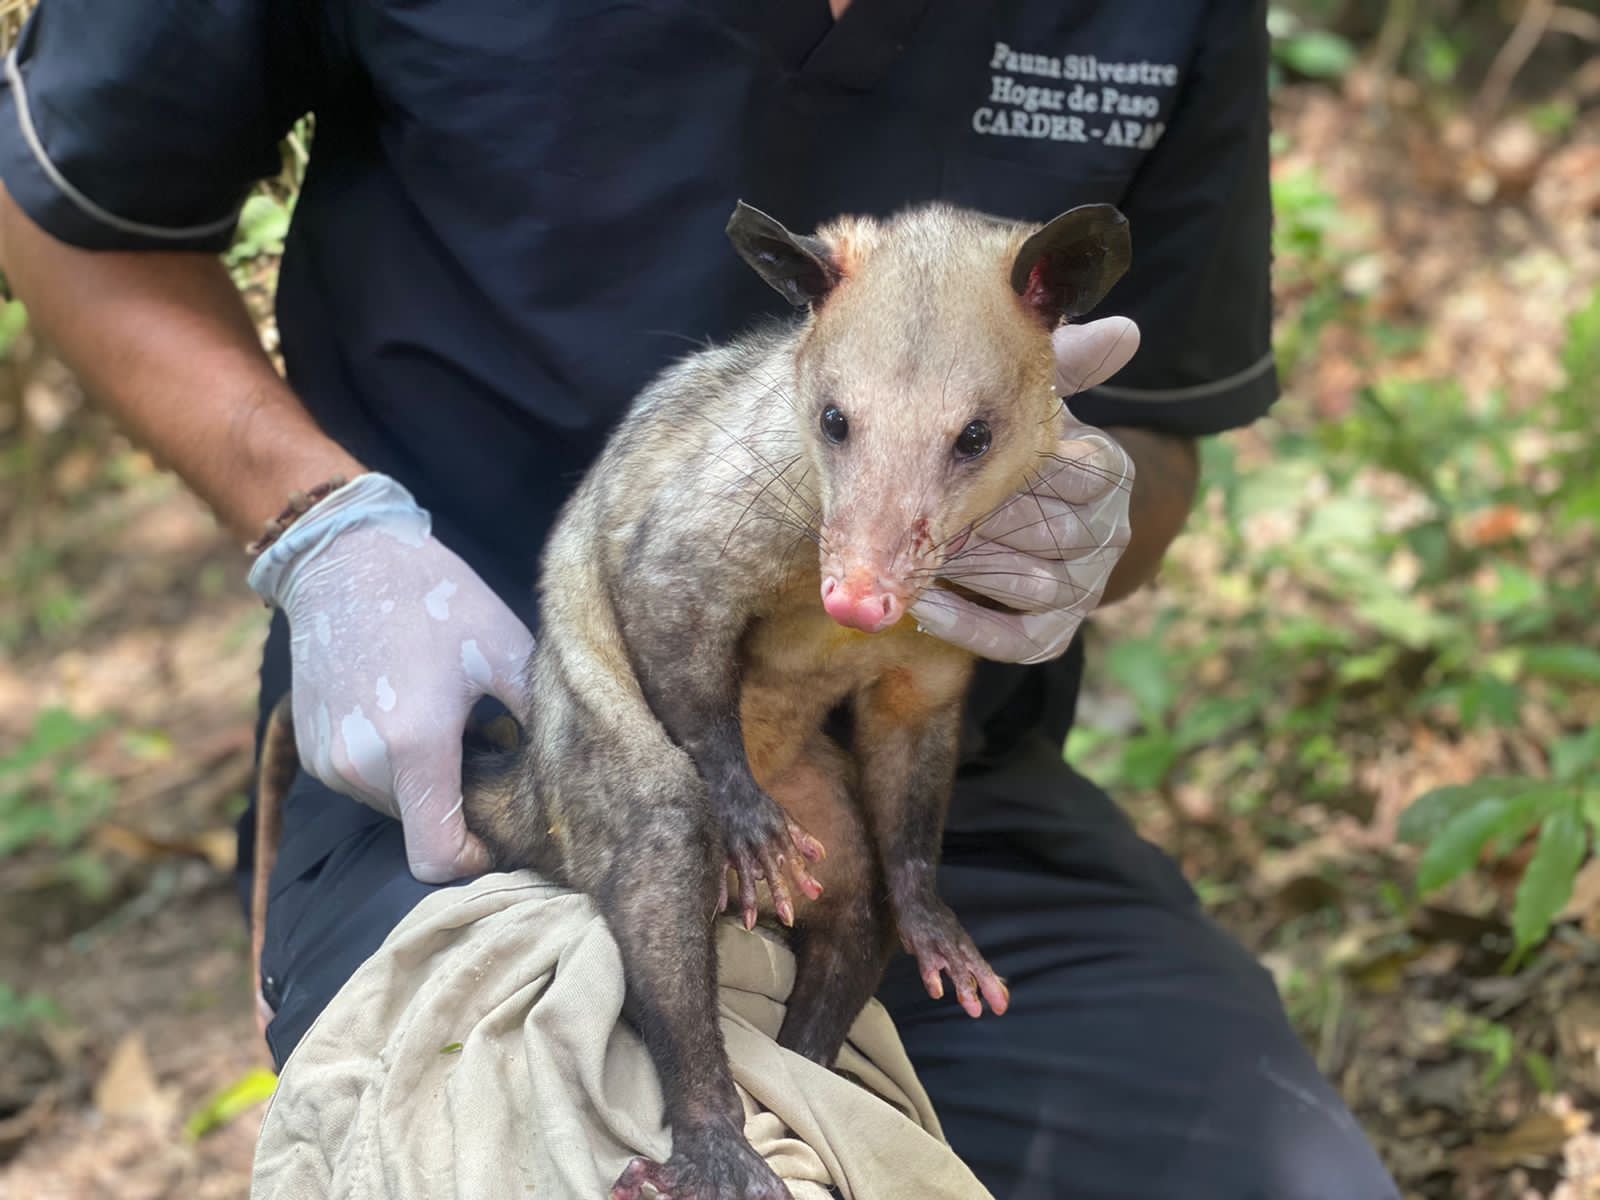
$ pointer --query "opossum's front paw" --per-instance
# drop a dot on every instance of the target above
(764, 842)
(723, 1168)
(931, 932)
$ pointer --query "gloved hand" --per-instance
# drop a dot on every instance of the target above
(392, 640)
(1048, 552)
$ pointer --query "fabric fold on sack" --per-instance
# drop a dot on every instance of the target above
(482, 1052)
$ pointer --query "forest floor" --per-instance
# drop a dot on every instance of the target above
(127, 676)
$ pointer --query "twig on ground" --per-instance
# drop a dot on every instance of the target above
(1530, 28)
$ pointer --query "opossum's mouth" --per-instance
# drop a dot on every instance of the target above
(972, 597)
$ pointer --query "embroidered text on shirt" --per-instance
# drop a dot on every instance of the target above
(1101, 106)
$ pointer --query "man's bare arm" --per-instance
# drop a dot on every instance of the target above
(1166, 474)
(163, 340)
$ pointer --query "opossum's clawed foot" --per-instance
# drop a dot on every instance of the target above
(764, 843)
(709, 1167)
(931, 932)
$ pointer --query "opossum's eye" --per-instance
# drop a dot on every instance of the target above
(835, 427)
(973, 440)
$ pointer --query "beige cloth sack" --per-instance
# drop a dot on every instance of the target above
(481, 1052)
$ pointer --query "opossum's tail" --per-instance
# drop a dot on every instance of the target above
(489, 767)
(497, 798)
(280, 759)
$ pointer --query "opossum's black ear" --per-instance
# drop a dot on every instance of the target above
(1067, 267)
(800, 268)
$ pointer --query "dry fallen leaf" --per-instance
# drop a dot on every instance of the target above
(219, 847)
(1492, 526)
(1538, 1137)
(1578, 1026)
(1585, 902)
(128, 1087)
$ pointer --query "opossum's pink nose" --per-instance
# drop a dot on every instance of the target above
(867, 608)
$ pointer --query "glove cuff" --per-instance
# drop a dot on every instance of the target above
(372, 499)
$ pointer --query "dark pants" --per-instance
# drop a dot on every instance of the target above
(1145, 1054)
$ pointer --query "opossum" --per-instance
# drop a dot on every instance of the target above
(734, 568)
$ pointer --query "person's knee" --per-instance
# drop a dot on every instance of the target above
(1145, 1054)
(1276, 1130)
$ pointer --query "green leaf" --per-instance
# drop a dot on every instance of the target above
(1307, 635)
(1085, 742)
(1580, 502)
(24, 1010)
(1430, 812)
(1343, 519)
(55, 730)
(234, 1100)
(1317, 54)
(1512, 595)
(1147, 759)
(1368, 668)
(1393, 898)
(1581, 355)
(1212, 718)
(1279, 487)
(263, 224)
(149, 745)
(1577, 664)
(1456, 848)
(13, 320)
(1487, 697)
(1573, 758)
(1404, 618)
(1495, 1041)
(1440, 56)
(1555, 118)
(1547, 885)
(1143, 668)
(1540, 1072)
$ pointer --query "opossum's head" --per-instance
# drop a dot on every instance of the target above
(925, 386)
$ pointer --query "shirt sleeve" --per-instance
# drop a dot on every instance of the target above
(142, 126)
(1200, 214)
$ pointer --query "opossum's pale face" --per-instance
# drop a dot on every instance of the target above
(924, 390)
(921, 422)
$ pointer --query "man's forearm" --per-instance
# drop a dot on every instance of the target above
(1166, 474)
(163, 340)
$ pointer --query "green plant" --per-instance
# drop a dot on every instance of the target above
(47, 796)
(1458, 826)
(263, 224)
(1497, 1045)
(21, 1012)
(1310, 258)
(1385, 571)
(1305, 50)
(13, 321)
(1578, 456)
(250, 1089)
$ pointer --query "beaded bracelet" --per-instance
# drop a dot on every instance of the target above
(299, 504)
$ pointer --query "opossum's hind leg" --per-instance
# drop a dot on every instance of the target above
(700, 1169)
(908, 753)
(275, 772)
(840, 956)
(652, 863)
(843, 941)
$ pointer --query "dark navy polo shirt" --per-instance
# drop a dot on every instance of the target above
(513, 214)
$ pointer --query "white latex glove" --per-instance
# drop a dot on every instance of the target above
(1047, 553)
(392, 640)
